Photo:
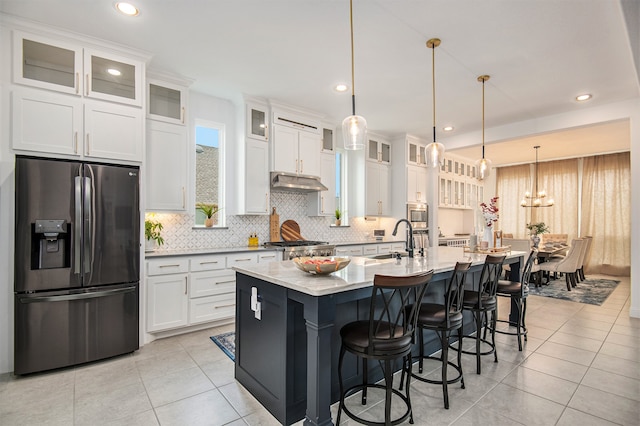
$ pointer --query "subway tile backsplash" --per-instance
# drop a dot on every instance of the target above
(180, 234)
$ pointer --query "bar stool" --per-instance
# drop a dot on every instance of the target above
(480, 302)
(444, 319)
(387, 335)
(517, 292)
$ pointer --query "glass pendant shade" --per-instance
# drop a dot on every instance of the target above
(435, 154)
(484, 168)
(354, 132)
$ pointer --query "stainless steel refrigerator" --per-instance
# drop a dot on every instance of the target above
(77, 262)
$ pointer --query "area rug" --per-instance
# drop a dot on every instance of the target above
(593, 291)
(226, 342)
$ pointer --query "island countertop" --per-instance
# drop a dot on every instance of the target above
(361, 270)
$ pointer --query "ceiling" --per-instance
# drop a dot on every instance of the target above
(540, 54)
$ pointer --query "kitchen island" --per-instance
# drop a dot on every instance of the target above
(287, 337)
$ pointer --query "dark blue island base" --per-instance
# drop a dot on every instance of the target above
(288, 359)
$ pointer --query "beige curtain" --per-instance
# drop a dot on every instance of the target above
(560, 180)
(512, 182)
(606, 213)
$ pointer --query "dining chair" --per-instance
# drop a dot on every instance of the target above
(585, 257)
(387, 335)
(568, 265)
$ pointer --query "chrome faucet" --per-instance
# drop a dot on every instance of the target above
(409, 242)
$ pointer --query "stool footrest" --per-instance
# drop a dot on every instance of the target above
(354, 389)
(439, 382)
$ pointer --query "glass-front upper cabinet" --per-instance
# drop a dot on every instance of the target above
(417, 155)
(379, 151)
(112, 78)
(167, 102)
(327, 140)
(41, 63)
(257, 121)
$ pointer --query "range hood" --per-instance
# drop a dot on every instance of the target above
(288, 182)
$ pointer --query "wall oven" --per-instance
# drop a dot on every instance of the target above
(418, 215)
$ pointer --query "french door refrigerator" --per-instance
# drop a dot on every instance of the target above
(77, 262)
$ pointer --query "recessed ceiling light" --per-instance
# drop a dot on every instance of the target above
(448, 128)
(127, 9)
(584, 97)
(114, 72)
(341, 88)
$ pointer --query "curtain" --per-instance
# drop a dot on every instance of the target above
(606, 213)
(560, 180)
(512, 182)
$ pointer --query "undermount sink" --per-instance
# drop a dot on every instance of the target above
(389, 255)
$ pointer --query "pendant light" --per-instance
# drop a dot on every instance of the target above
(434, 151)
(539, 198)
(354, 127)
(483, 165)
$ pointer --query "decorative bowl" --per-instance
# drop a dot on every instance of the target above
(321, 265)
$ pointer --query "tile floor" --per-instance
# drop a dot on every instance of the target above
(581, 365)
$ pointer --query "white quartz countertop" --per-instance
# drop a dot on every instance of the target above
(359, 273)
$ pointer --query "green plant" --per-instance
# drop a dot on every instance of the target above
(338, 214)
(208, 209)
(537, 228)
(152, 230)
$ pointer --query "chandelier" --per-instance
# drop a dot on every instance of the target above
(539, 197)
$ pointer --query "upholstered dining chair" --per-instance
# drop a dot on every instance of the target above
(586, 252)
(568, 265)
(516, 244)
(387, 335)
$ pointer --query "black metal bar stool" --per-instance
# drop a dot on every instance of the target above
(482, 300)
(517, 292)
(444, 319)
(387, 335)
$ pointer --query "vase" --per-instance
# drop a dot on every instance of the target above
(149, 245)
(208, 222)
(488, 236)
(338, 222)
(535, 240)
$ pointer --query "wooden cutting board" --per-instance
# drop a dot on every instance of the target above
(290, 231)
(274, 226)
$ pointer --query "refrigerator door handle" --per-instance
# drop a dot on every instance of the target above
(88, 220)
(76, 296)
(77, 227)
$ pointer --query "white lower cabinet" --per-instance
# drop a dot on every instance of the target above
(349, 250)
(183, 291)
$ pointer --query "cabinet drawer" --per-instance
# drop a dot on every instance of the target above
(372, 249)
(212, 308)
(385, 248)
(207, 263)
(397, 247)
(210, 283)
(349, 251)
(272, 256)
(167, 266)
(242, 259)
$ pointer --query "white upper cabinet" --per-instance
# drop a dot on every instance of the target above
(257, 121)
(416, 152)
(328, 143)
(378, 199)
(56, 65)
(323, 203)
(257, 190)
(166, 102)
(416, 184)
(112, 131)
(378, 151)
(296, 151)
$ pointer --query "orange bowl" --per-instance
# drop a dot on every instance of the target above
(321, 265)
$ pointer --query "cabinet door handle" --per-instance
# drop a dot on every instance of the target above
(225, 306)
(209, 262)
(242, 260)
(225, 282)
(183, 198)
(77, 83)
(182, 114)
(88, 145)
(266, 132)
(169, 266)
(266, 201)
(185, 285)
(87, 86)
(75, 142)
(297, 166)
(301, 166)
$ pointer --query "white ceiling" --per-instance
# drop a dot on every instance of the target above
(540, 55)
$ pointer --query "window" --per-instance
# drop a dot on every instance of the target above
(209, 172)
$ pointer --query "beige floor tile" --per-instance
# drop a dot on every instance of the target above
(262, 417)
(556, 367)
(626, 330)
(106, 377)
(146, 418)
(207, 408)
(207, 353)
(164, 363)
(541, 384)
(482, 416)
(606, 405)
(116, 404)
(596, 325)
(521, 406)
(620, 351)
(572, 417)
(174, 386)
(617, 365)
(220, 372)
(159, 346)
(578, 330)
(612, 383)
(567, 353)
(240, 398)
(579, 342)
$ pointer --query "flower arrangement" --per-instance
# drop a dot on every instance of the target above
(537, 228)
(490, 212)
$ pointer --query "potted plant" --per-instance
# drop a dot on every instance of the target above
(209, 211)
(535, 229)
(152, 230)
(338, 217)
